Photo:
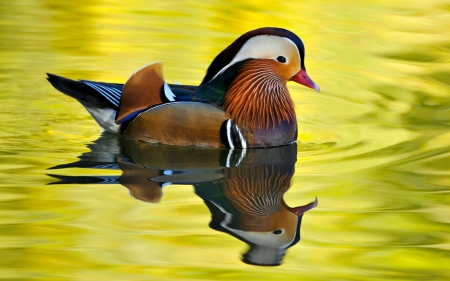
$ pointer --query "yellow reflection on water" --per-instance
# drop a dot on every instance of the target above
(374, 142)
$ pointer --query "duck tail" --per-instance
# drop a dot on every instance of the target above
(101, 100)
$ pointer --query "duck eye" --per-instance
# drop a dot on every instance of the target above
(281, 59)
(278, 231)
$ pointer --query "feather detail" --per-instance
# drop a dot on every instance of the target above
(142, 90)
(258, 98)
(257, 193)
(252, 194)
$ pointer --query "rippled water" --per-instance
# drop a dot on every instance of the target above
(374, 143)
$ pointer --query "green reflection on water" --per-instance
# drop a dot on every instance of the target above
(375, 142)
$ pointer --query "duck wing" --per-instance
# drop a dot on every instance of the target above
(179, 123)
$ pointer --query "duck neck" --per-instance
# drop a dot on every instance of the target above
(215, 90)
(258, 98)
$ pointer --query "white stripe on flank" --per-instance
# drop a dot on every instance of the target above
(241, 137)
(230, 142)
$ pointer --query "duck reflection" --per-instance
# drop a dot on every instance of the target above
(248, 204)
(243, 189)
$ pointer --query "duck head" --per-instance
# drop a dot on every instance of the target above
(248, 79)
(281, 46)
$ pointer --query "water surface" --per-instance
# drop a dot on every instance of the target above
(373, 145)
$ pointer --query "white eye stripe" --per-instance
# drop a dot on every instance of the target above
(264, 47)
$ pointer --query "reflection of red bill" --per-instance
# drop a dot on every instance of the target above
(300, 210)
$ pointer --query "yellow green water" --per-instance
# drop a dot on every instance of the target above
(375, 143)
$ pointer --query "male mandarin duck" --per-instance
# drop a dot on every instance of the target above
(242, 101)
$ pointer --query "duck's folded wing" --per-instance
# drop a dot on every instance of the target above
(146, 88)
(179, 123)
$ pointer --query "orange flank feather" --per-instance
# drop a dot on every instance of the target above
(258, 98)
(177, 123)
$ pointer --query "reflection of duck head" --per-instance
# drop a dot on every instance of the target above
(248, 204)
(268, 247)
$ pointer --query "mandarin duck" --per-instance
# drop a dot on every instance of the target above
(242, 101)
